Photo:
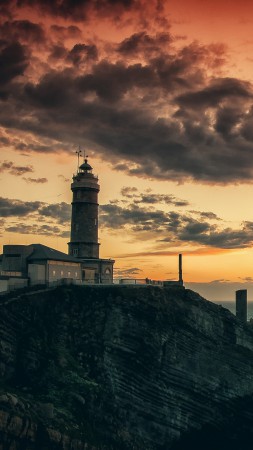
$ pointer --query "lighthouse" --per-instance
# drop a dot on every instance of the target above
(84, 243)
(84, 221)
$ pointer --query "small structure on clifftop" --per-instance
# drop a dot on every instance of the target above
(84, 243)
(179, 282)
(241, 305)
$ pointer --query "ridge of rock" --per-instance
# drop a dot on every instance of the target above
(122, 367)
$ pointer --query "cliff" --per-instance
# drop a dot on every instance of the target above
(123, 367)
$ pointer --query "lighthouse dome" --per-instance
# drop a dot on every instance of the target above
(85, 166)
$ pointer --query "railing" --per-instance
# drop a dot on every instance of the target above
(140, 281)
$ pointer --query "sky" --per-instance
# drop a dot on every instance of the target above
(159, 95)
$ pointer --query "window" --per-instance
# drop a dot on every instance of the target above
(54, 273)
(61, 273)
(76, 274)
(76, 226)
(68, 274)
(75, 252)
(107, 271)
(95, 221)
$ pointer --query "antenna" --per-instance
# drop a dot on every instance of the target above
(78, 152)
(85, 156)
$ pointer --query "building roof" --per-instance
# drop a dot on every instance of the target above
(43, 252)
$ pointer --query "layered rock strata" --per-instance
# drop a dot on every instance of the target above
(121, 367)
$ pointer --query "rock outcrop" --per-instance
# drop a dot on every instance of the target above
(123, 367)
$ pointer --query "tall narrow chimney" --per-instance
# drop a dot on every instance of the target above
(180, 271)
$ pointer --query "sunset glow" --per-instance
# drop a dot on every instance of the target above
(159, 95)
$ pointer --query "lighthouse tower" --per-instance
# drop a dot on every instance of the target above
(84, 227)
(84, 222)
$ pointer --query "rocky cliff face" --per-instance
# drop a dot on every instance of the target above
(123, 368)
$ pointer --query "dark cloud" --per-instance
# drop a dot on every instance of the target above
(36, 180)
(53, 91)
(23, 31)
(79, 10)
(157, 148)
(13, 62)
(46, 230)
(172, 228)
(209, 215)
(62, 32)
(211, 235)
(82, 53)
(111, 82)
(160, 198)
(218, 91)
(141, 222)
(57, 215)
(129, 192)
(26, 144)
(59, 211)
(139, 219)
(11, 207)
(58, 52)
(143, 43)
(150, 198)
(127, 272)
(154, 110)
(9, 166)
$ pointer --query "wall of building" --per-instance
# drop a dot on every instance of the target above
(4, 285)
(79, 249)
(12, 284)
(106, 275)
(14, 258)
(88, 275)
(37, 274)
(57, 270)
(97, 271)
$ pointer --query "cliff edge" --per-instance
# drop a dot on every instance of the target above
(123, 367)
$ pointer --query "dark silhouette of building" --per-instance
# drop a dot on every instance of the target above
(241, 305)
(84, 243)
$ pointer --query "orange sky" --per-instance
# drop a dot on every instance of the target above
(160, 96)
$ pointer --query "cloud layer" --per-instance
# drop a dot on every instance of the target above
(152, 104)
(148, 216)
(157, 219)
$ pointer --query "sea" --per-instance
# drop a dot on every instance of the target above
(231, 306)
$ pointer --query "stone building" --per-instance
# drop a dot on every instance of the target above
(84, 243)
(34, 264)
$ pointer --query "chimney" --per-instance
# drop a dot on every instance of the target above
(241, 305)
(180, 271)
